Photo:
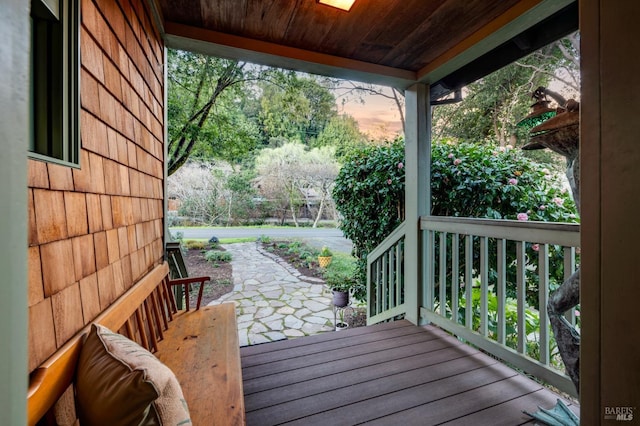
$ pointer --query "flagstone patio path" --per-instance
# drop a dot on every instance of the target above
(273, 300)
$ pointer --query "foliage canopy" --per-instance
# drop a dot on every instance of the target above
(467, 180)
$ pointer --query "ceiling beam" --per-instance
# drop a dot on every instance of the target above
(215, 43)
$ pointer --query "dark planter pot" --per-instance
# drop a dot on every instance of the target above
(340, 298)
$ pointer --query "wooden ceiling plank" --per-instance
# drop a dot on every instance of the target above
(448, 25)
(504, 27)
(309, 25)
(398, 26)
(261, 52)
(266, 20)
(359, 36)
(180, 11)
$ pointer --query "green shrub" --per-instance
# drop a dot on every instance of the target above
(325, 252)
(217, 256)
(531, 322)
(468, 180)
(306, 255)
(294, 247)
(195, 245)
(341, 274)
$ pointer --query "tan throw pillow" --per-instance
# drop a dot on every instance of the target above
(120, 383)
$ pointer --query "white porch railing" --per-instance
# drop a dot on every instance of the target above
(385, 278)
(488, 282)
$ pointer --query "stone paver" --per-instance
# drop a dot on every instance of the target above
(273, 300)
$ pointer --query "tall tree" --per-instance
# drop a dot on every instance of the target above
(295, 107)
(493, 105)
(321, 171)
(491, 108)
(279, 177)
(291, 175)
(197, 85)
(342, 133)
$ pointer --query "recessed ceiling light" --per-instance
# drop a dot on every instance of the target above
(340, 4)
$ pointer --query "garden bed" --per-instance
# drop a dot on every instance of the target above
(220, 272)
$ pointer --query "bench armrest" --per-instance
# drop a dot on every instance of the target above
(185, 282)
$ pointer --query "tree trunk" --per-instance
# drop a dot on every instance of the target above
(320, 209)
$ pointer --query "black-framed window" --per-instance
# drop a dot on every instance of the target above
(55, 81)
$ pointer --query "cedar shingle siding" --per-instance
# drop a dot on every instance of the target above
(96, 230)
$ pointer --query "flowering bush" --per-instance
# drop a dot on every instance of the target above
(495, 183)
(467, 181)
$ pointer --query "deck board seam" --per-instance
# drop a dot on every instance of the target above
(321, 338)
(368, 380)
(524, 395)
(245, 370)
(370, 339)
(441, 398)
(396, 391)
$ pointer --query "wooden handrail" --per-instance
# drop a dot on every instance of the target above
(386, 244)
(566, 234)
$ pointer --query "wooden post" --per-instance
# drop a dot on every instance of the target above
(417, 191)
(14, 136)
(610, 172)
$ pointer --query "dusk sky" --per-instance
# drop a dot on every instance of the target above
(378, 116)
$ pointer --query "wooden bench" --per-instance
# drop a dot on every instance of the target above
(200, 346)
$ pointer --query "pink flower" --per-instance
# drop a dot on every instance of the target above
(523, 217)
(457, 161)
(577, 313)
(542, 207)
(450, 155)
(535, 247)
(389, 181)
(512, 181)
(559, 201)
(400, 165)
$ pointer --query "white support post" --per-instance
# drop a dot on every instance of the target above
(417, 191)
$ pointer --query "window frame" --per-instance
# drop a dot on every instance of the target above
(55, 81)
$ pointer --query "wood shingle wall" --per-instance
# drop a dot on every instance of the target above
(96, 230)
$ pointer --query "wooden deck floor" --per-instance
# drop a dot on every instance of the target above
(388, 374)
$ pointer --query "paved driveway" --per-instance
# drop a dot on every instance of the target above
(316, 237)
